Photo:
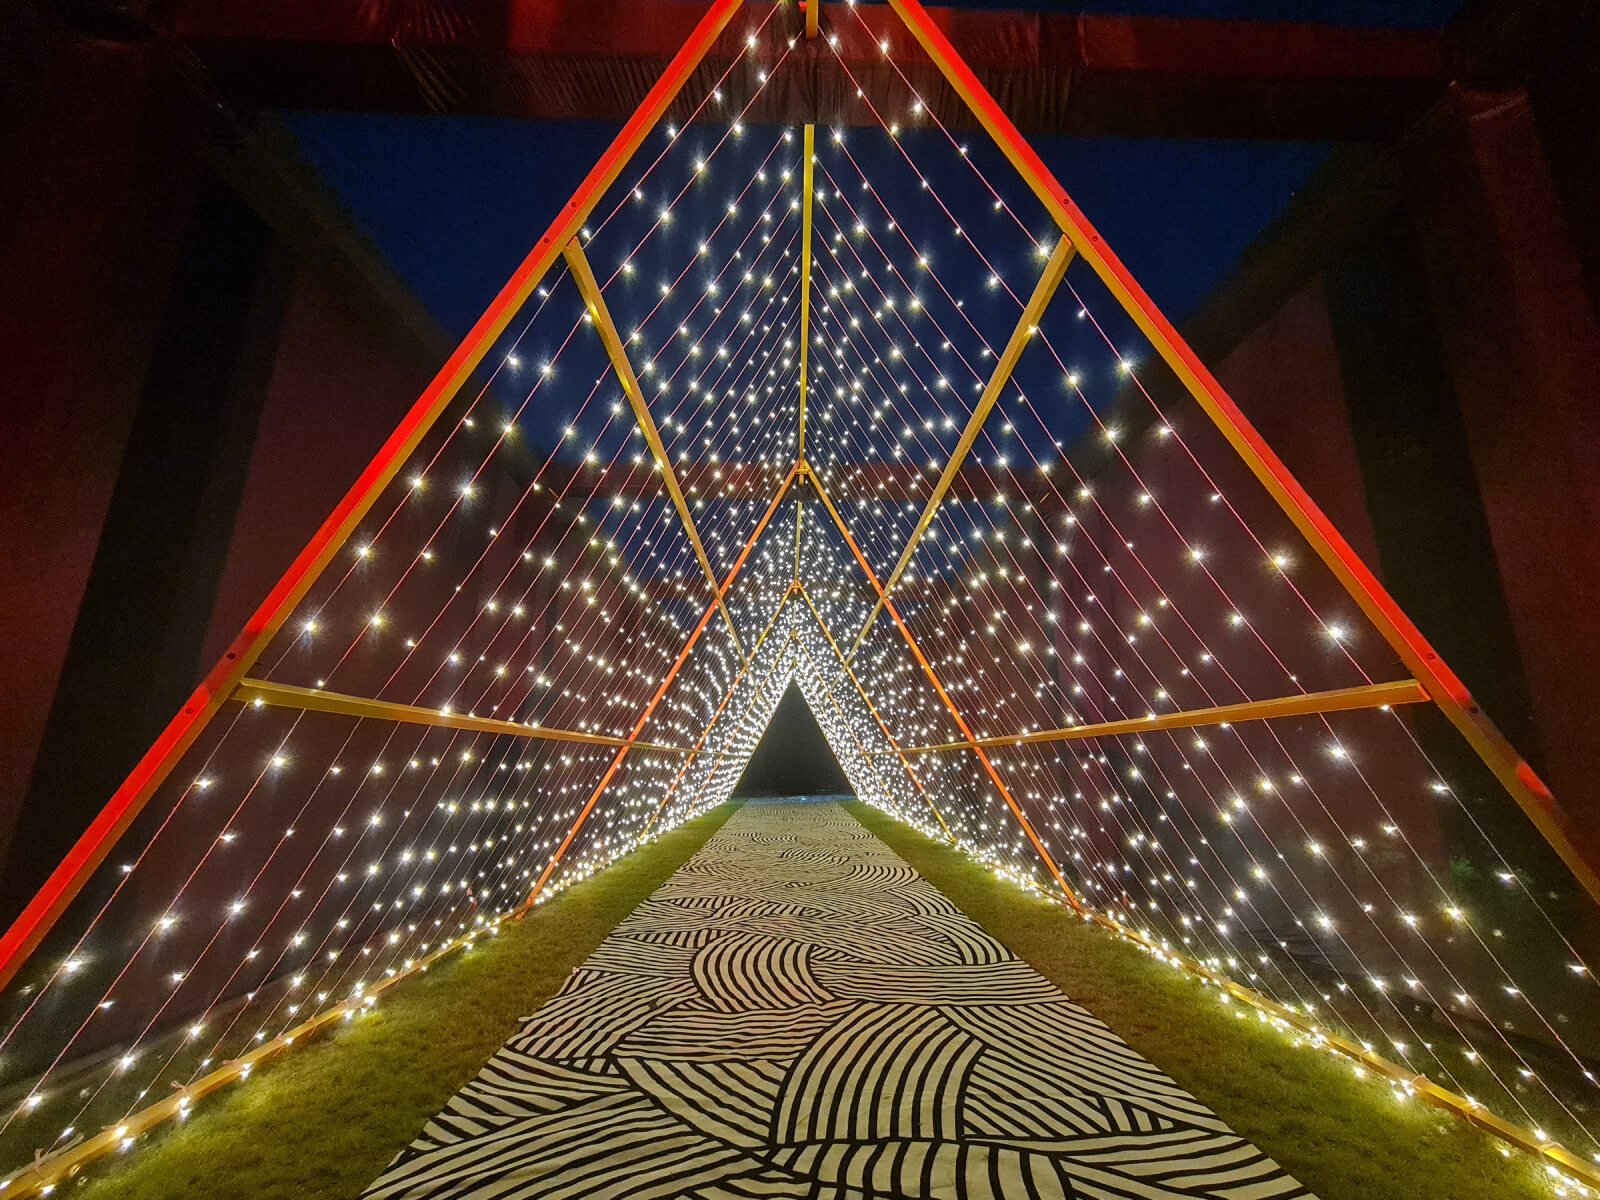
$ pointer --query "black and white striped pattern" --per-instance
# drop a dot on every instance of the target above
(797, 1013)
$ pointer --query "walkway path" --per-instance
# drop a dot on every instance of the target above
(797, 1013)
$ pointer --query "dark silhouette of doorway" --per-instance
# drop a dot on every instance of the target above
(792, 758)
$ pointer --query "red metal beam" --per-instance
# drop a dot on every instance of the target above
(1059, 72)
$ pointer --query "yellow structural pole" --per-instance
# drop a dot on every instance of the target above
(282, 695)
(1577, 846)
(1372, 695)
(807, 182)
(799, 516)
(813, 17)
(1027, 326)
(589, 288)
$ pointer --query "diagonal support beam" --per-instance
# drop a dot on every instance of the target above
(282, 695)
(666, 682)
(1372, 695)
(872, 708)
(705, 734)
(1577, 845)
(944, 697)
(1032, 312)
(589, 288)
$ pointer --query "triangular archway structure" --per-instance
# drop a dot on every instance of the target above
(880, 413)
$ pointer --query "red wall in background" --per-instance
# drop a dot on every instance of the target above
(334, 395)
(1523, 341)
(92, 225)
(1286, 375)
(97, 225)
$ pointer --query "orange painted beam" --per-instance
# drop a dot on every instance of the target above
(666, 682)
(955, 714)
(700, 742)
(600, 315)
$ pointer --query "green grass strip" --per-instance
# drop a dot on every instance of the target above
(1345, 1137)
(327, 1118)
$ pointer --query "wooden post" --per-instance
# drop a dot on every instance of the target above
(1027, 326)
(589, 288)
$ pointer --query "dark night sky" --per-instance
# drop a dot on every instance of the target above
(455, 202)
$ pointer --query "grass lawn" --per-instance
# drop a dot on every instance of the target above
(327, 1118)
(1343, 1137)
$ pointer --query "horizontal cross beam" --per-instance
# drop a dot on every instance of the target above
(1372, 695)
(1062, 72)
(282, 695)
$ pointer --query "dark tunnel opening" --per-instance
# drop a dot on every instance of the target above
(792, 758)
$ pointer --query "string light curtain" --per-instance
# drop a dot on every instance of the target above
(1039, 605)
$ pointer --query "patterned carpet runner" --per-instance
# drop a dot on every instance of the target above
(797, 1013)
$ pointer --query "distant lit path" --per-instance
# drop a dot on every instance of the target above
(797, 1013)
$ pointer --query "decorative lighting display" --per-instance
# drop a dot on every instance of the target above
(847, 405)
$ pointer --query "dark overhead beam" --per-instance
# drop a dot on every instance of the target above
(1060, 72)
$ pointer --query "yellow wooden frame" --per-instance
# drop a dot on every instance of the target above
(589, 289)
(1372, 695)
(261, 692)
(1027, 325)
